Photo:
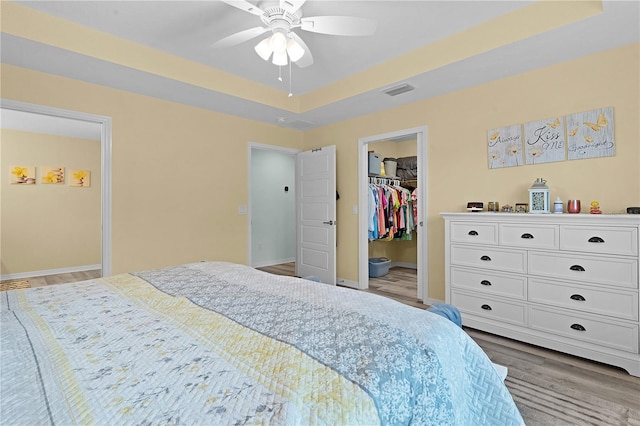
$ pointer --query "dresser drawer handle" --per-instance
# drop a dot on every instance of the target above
(485, 282)
(486, 307)
(578, 297)
(596, 240)
(474, 233)
(485, 258)
(577, 268)
(578, 327)
(527, 236)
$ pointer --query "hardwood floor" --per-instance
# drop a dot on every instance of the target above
(63, 278)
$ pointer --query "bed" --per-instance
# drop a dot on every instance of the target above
(221, 343)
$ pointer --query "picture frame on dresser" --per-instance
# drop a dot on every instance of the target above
(564, 282)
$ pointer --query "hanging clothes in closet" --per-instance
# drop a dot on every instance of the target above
(391, 211)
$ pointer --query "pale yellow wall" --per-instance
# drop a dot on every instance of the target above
(179, 173)
(48, 226)
(169, 160)
(457, 155)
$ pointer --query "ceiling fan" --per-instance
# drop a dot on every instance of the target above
(281, 18)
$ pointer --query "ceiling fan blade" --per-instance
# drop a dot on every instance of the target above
(339, 25)
(306, 59)
(245, 5)
(239, 37)
(292, 5)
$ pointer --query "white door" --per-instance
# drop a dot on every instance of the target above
(316, 214)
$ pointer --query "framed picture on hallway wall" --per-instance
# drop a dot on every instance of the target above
(52, 175)
(23, 175)
(80, 178)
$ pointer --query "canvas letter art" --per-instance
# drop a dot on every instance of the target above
(590, 134)
(505, 147)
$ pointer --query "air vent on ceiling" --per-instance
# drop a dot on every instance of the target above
(396, 90)
(300, 125)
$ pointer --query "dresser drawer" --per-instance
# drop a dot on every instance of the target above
(529, 236)
(490, 258)
(600, 239)
(499, 310)
(594, 300)
(472, 232)
(488, 282)
(614, 271)
(585, 328)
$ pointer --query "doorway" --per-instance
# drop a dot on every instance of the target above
(418, 134)
(271, 209)
(83, 119)
(309, 194)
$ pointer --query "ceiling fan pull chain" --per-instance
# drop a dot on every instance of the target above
(279, 73)
(290, 91)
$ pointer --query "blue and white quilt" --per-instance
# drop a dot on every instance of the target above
(221, 343)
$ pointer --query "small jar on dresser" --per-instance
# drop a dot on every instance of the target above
(565, 282)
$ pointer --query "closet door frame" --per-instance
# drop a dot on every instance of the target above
(420, 133)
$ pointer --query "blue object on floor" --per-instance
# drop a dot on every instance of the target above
(450, 312)
(312, 278)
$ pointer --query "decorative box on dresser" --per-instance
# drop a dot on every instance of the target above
(568, 282)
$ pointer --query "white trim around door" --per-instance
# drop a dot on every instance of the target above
(105, 151)
(420, 133)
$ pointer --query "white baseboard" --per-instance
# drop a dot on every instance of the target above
(501, 370)
(347, 283)
(430, 301)
(266, 263)
(403, 265)
(32, 274)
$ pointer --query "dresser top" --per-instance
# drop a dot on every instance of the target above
(580, 218)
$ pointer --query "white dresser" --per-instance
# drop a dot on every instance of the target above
(568, 282)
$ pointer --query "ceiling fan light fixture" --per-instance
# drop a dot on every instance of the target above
(263, 49)
(294, 50)
(279, 42)
(280, 58)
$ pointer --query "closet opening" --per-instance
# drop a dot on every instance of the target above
(392, 202)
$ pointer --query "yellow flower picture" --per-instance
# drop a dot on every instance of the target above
(23, 175)
(80, 178)
(52, 175)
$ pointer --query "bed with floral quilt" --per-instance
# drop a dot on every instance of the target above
(218, 343)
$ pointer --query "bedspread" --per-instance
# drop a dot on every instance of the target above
(220, 343)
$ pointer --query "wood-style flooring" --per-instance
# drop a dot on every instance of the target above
(64, 278)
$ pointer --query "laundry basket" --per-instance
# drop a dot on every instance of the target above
(378, 266)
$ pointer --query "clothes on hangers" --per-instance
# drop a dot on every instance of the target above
(390, 212)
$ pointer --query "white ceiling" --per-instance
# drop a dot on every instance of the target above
(188, 28)
(41, 123)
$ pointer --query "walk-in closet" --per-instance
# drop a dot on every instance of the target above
(392, 216)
